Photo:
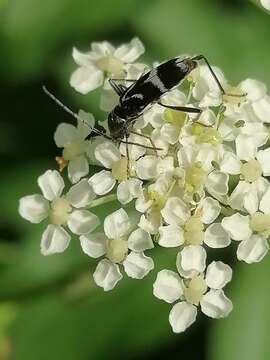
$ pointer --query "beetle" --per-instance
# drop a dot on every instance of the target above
(145, 91)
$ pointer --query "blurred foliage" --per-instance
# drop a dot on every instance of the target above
(49, 306)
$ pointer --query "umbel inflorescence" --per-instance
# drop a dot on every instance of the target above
(204, 186)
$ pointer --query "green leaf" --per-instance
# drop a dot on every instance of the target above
(245, 333)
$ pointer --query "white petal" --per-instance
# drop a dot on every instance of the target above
(137, 265)
(171, 236)
(168, 286)
(253, 249)
(193, 258)
(146, 167)
(86, 79)
(182, 316)
(245, 147)
(218, 182)
(80, 58)
(78, 167)
(265, 202)
(254, 89)
(263, 157)
(237, 226)
(85, 124)
(129, 190)
(207, 117)
(215, 304)
(175, 212)
(82, 222)
(230, 164)
(128, 53)
(81, 194)
(218, 275)
(209, 209)
(102, 182)
(236, 200)
(107, 275)
(266, 4)
(117, 224)
(140, 240)
(65, 134)
(107, 153)
(262, 109)
(51, 184)
(151, 222)
(54, 240)
(216, 237)
(251, 201)
(93, 245)
(34, 208)
(170, 133)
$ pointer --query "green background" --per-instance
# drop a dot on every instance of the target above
(49, 306)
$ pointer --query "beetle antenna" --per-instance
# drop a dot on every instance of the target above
(70, 112)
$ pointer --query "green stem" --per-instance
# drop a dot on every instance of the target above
(103, 200)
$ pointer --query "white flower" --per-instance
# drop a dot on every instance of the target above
(61, 210)
(266, 4)
(120, 245)
(119, 168)
(72, 140)
(205, 291)
(251, 231)
(103, 58)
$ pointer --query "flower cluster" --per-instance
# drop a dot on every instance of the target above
(195, 183)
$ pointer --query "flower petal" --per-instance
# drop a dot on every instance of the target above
(237, 226)
(216, 237)
(210, 210)
(65, 134)
(171, 236)
(146, 167)
(140, 240)
(245, 147)
(168, 286)
(85, 79)
(217, 182)
(253, 249)
(193, 258)
(263, 157)
(117, 224)
(129, 190)
(78, 167)
(81, 194)
(218, 275)
(265, 202)
(93, 245)
(51, 184)
(254, 89)
(82, 222)
(102, 182)
(215, 304)
(182, 316)
(34, 208)
(137, 265)
(107, 275)
(130, 52)
(107, 153)
(54, 240)
(175, 212)
(262, 109)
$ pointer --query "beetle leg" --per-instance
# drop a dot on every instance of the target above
(146, 137)
(181, 108)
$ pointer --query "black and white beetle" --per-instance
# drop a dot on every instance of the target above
(143, 92)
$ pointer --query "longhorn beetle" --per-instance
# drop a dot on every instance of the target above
(145, 91)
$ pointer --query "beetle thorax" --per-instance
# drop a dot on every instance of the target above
(117, 123)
